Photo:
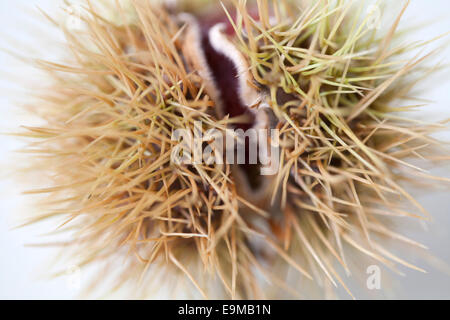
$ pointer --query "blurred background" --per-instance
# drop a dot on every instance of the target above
(24, 31)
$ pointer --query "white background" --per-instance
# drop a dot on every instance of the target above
(22, 269)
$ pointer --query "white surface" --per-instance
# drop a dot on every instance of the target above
(20, 266)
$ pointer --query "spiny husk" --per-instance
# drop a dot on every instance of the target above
(110, 117)
(333, 85)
